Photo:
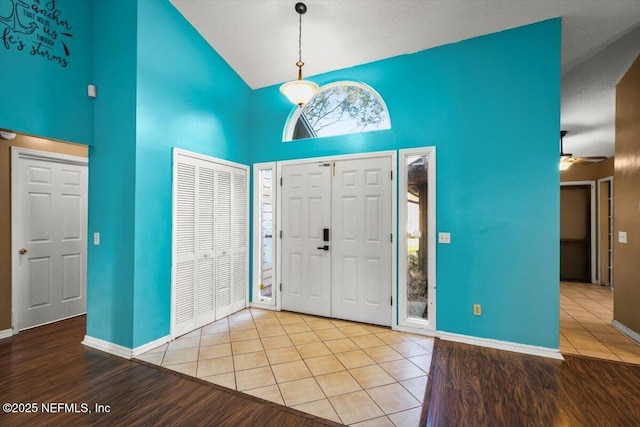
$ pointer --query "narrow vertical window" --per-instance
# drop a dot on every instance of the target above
(416, 243)
(263, 230)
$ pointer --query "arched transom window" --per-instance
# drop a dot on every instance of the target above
(338, 109)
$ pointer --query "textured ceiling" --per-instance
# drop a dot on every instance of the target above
(259, 40)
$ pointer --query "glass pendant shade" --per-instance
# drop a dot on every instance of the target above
(564, 165)
(299, 91)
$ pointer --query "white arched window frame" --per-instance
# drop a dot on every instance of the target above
(292, 120)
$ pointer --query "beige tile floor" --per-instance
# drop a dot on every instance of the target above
(348, 372)
(586, 313)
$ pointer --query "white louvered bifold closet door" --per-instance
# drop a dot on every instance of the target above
(239, 233)
(210, 242)
(184, 261)
(205, 238)
(223, 242)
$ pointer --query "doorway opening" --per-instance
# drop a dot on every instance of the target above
(577, 232)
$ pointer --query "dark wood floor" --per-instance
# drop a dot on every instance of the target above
(47, 365)
(474, 386)
(468, 386)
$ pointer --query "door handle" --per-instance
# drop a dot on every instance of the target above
(22, 251)
(324, 248)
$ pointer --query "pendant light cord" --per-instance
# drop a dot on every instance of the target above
(300, 38)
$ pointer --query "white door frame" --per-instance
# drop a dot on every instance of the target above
(405, 323)
(18, 153)
(592, 185)
(392, 155)
(600, 182)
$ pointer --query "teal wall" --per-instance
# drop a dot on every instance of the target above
(41, 96)
(187, 97)
(112, 174)
(491, 107)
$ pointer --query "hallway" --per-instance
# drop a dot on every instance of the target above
(586, 313)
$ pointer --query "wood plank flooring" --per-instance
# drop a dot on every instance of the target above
(49, 364)
(475, 386)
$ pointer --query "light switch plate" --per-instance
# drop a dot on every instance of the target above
(444, 238)
(622, 236)
(96, 238)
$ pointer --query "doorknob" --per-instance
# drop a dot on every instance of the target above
(22, 251)
(324, 248)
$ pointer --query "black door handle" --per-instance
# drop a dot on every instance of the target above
(324, 248)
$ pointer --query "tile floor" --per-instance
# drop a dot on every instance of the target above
(348, 372)
(586, 312)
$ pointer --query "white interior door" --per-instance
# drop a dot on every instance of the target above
(361, 252)
(306, 211)
(49, 217)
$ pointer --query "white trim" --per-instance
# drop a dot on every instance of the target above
(276, 231)
(108, 347)
(47, 156)
(290, 124)
(392, 155)
(626, 331)
(262, 306)
(255, 286)
(593, 237)
(420, 330)
(600, 182)
(402, 320)
(194, 155)
(6, 334)
(150, 346)
(502, 345)
(337, 158)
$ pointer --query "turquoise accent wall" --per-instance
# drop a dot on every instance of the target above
(491, 107)
(187, 97)
(112, 175)
(44, 88)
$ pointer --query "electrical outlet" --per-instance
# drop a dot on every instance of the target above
(477, 310)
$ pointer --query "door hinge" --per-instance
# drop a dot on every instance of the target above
(391, 235)
(391, 175)
(391, 300)
(281, 234)
(334, 168)
(280, 181)
(280, 287)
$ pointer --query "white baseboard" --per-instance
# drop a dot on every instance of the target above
(150, 346)
(628, 332)
(415, 330)
(502, 345)
(262, 306)
(6, 333)
(108, 347)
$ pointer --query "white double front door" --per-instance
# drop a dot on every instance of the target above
(337, 239)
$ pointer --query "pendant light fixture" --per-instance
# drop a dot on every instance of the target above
(299, 91)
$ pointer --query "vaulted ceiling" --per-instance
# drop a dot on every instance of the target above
(600, 40)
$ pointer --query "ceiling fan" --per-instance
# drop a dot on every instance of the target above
(567, 159)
